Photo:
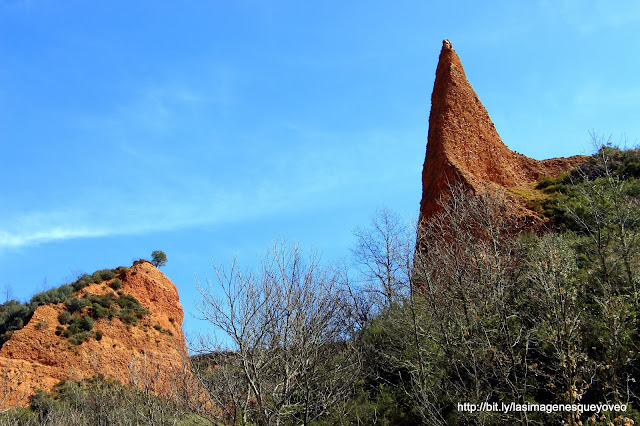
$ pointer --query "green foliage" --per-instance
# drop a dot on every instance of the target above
(610, 160)
(79, 329)
(127, 301)
(609, 177)
(103, 275)
(491, 317)
(558, 324)
(128, 318)
(158, 258)
(109, 306)
(81, 282)
(130, 309)
(79, 337)
(14, 315)
(106, 300)
(52, 296)
(116, 284)
(102, 306)
(97, 277)
(99, 401)
(382, 407)
(163, 330)
(75, 304)
(64, 317)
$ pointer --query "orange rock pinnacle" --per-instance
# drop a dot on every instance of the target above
(464, 145)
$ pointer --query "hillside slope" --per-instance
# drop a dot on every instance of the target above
(150, 351)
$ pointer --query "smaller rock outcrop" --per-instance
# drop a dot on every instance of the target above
(464, 146)
(151, 353)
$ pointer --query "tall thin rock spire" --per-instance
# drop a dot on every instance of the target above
(464, 145)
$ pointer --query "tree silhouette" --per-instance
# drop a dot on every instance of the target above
(158, 258)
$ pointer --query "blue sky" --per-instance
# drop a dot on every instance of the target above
(208, 129)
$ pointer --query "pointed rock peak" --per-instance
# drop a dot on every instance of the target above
(464, 145)
(448, 57)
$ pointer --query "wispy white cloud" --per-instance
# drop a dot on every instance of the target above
(169, 212)
(310, 174)
(20, 239)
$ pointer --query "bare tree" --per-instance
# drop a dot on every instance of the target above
(12, 393)
(287, 337)
(384, 252)
(7, 292)
(467, 314)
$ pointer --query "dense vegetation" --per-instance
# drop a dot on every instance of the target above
(470, 313)
(99, 402)
(476, 314)
(14, 315)
(79, 322)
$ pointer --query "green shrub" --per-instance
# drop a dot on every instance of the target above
(98, 401)
(130, 309)
(620, 163)
(43, 404)
(78, 330)
(80, 337)
(79, 324)
(99, 311)
(13, 316)
(102, 275)
(76, 304)
(163, 330)
(81, 282)
(64, 317)
(86, 323)
(98, 335)
(52, 296)
(124, 306)
(128, 318)
(106, 300)
(127, 301)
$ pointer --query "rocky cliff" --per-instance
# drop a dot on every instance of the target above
(148, 351)
(464, 146)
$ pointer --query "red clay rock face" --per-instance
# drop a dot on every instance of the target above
(464, 145)
(36, 358)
